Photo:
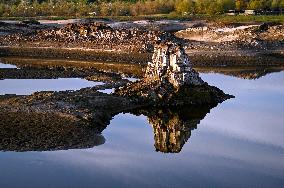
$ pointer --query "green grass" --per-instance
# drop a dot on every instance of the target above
(242, 18)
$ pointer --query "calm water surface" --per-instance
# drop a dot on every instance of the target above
(107, 91)
(240, 143)
(29, 86)
(7, 66)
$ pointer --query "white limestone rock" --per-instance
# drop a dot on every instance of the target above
(171, 63)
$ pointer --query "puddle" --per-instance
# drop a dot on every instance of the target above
(29, 86)
(7, 66)
(131, 79)
(107, 91)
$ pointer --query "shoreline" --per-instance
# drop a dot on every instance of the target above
(202, 58)
(112, 70)
(206, 44)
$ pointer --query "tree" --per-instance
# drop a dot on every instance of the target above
(275, 4)
(281, 4)
(2, 9)
(201, 6)
(213, 8)
(185, 6)
(225, 5)
(240, 4)
(257, 4)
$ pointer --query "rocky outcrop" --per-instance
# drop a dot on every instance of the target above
(171, 64)
(170, 80)
(69, 119)
(75, 119)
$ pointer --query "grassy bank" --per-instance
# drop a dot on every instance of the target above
(210, 18)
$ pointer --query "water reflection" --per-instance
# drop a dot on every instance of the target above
(128, 70)
(7, 66)
(250, 73)
(29, 86)
(49, 131)
(239, 144)
(172, 126)
(136, 70)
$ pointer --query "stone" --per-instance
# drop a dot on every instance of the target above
(170, 80)
(171, 63)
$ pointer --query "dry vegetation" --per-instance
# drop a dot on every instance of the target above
(31, 8)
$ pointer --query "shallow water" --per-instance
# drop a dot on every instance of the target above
(131, 79)
(107, 91)
(29, 86)
(239, 143)
(7, 66)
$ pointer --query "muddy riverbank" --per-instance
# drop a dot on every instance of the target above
(207, 44)
(29, 131)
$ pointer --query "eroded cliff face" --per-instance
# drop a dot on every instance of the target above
(170, 81)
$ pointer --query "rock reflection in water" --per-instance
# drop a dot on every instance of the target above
(20, 131)
(172, 126)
